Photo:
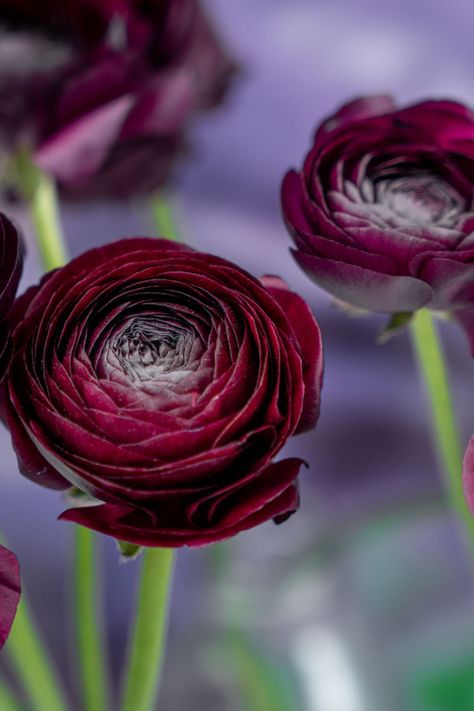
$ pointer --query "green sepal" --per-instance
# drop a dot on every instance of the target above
(128, 551)
(396, 323)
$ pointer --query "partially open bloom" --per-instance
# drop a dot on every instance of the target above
(9, 591)
(382, 213)
(103, 90)
(468, 474)
(163, 382)
(11, 262)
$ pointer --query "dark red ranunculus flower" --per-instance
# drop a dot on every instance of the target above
(11, 264)
(382, 213)
(9, 591)
(163, 382)
(107, 106)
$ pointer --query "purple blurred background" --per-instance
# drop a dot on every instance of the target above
(365, 599)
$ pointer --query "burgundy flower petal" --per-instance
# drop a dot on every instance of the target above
(11, 264)
(309, 338)
(9, 591)
(30, 462)
(271, 495)
(80, 149)
(356, 110)
(365, 288)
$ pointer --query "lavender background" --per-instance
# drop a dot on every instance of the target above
(368, 591)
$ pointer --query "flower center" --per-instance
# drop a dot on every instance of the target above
(420, 199)
(148, 350)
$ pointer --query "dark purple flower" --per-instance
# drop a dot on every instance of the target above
(382, 213)
(107, 105)
(9, 591)
(163, 382)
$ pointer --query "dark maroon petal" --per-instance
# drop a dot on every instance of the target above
(275, 496)
(363, 287)
(30, 462)
(9, 591)
(356, 110)
(446, 122)
(468, 474)
(309, 339)
(11, 264)
(80, 149)
(452, 281)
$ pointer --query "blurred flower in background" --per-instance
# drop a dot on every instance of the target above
(102, 92)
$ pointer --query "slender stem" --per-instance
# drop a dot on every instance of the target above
(147, 645)
(32, 666)
(45, 215)
(40, 193)
(433, 370)
(88, 632)
(8, 702)
(163, 218)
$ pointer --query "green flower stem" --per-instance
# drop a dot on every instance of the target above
(32, 665)
(90, 643)
(8, 701)
(41, 196)
(163, 218)
(40, 193)
(148, 639)
(45, 216)
(429, 352)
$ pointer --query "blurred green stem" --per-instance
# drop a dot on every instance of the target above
(146, 652)
(88, 630)
(433, 370)
(163, 217)
(32, 665)
(8, 701)
(40, 194)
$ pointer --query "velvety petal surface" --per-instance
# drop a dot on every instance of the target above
(10, 590)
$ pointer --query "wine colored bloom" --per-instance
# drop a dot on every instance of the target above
(107, 106)
(9, 591)
(382, 213)
(11, 263)
(163, 382)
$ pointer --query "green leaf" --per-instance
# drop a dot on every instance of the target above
(445, 688)
(263, 683)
